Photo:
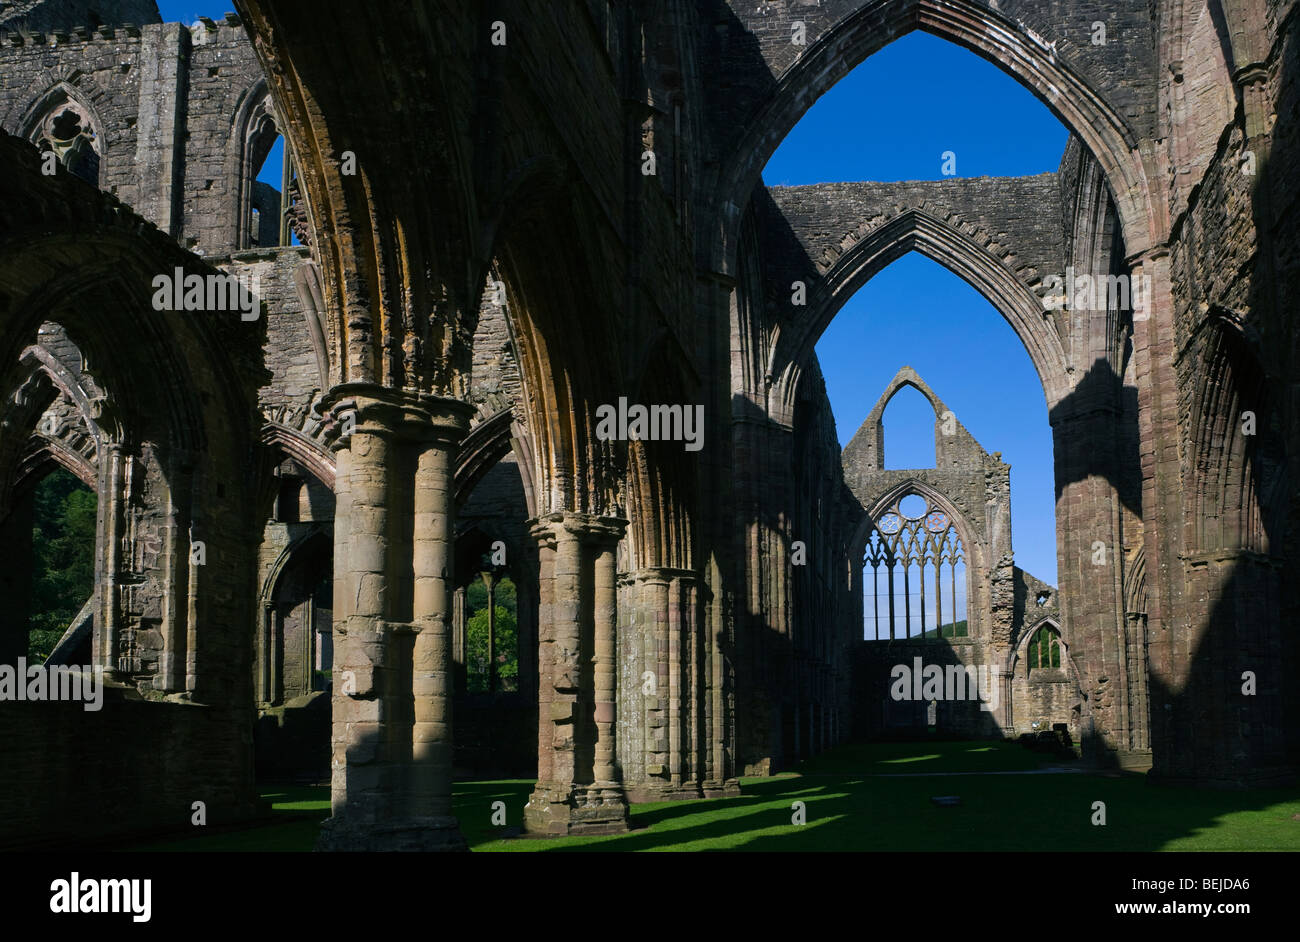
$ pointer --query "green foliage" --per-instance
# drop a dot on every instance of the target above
(63, 558)
(1044, 650)
(954, 630)
(507, 637)
(950, 630)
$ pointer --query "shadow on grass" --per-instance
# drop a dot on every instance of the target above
(854, 800)
(295, 818)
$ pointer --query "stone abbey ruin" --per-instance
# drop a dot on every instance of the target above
(497, 217)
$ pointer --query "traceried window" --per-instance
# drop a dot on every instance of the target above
(914, 574)
(1044, 649)
(69, 132)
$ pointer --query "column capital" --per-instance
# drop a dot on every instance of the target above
(542, 533)
(587, 527)
(403, 414)
(662, 575)
(1252, 73)
(1150, 254)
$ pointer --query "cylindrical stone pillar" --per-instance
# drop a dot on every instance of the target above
(545, 648)
(431, 669)
(565, 607)
(578, 790)
(605, 617)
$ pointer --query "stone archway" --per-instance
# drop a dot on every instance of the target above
(840, 35)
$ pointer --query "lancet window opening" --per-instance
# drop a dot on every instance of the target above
(1044, 649)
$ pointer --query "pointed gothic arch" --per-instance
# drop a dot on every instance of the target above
(865, 28)
(942, 242)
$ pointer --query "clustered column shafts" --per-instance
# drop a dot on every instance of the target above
(578, 783)
(392, 676)
(680, 671)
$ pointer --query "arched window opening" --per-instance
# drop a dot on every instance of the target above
(296, 656)
(63, 561)
(269, 218)
(941, 128)
(492, 634)
(1044, 650)
(294, 634)
(908, 437)
(69, 131)
(922, 307)
(914, 574)
(293, 667)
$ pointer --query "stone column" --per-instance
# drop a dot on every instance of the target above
(1139, 735)
(718, 778)
(459, 637)
(264, 691)
(276, 652)
(1086, 435)
(360, 783)
(606, 786)
(545, 538)
(685, 718)
(111, 508)
(1006, 682)
(391, 706)
(1154, 351)
(578, 788)
(654, 596)
(429, 798)
(566, 658)
(677, 716)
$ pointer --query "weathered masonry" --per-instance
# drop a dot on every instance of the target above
(491, 220)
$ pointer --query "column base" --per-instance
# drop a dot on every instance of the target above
(725, 789)
(1136, 760)
(684, 791)
(560, 810)
(436, 834)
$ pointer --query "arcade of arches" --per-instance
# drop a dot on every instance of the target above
(513, 213)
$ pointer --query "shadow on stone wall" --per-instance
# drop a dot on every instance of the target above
(877, 715)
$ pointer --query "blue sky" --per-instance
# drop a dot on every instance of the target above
(187, 11)
(892, 118)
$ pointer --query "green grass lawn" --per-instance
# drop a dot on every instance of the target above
(867, 798)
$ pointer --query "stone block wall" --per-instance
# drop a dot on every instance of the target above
(79, 781)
